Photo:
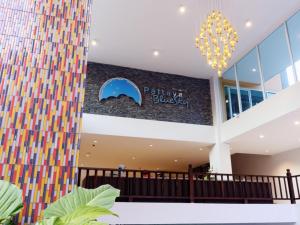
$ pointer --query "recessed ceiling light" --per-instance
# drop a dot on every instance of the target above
(261, 136)
(175, 160)
(248, 24)
(88, 154)
(297, 123)
(182, 9)
(253, 70)
(133, 158)
(150, 145)
(156, 53)
(93, 42)
(200, 149)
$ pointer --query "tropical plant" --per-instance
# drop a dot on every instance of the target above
(11, 201)
(81, 207)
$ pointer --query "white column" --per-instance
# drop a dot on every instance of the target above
(219, 156)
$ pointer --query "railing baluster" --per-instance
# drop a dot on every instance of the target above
(170, 185)
(148, 183)
(176, 185)
(251, 191)
(222, 186)
(234, 187)
(297, 185)
(79, 177)
(269, 189)
(287, 196)
(257, 186)
(241, 187)
(275, 189)
(191, 183)
(215, 185)
(155, 184)
(95, 179)
(280, 189)
(87, 178)
(263, 187)
(246, 189)
(291, 186)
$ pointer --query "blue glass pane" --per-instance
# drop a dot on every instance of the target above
(227, 102)
(231, 99)
(234, 102)
(247, 69)
(274, 54)
(293, 25)
(276, 62)
(256, 97)
(248, 77)
(229, 74)
(245, 99)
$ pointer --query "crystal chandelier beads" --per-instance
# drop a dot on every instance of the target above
(217, 40)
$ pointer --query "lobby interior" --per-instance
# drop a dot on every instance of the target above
(189, 107)
(243, 127)
(244, 117)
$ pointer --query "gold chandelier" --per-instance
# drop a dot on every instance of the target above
(217, 41)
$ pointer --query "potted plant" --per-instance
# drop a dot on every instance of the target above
(80, 207)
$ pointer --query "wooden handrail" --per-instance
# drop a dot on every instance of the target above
(193, 186)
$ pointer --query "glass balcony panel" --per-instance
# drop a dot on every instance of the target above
(227, 103)
(234, 102)
(275, 62)
(256, 97)
(293, 25)
(230, 100)
(248, 77)
(245, 99)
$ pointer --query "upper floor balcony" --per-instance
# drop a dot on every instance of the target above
(193, 186)
(264, 71)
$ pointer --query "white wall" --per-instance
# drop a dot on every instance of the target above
(195, 213)
(298, 214)
(121, 126)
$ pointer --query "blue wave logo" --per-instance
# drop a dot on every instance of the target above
(120, 86)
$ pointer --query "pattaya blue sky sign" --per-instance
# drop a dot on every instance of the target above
(118, 86)
(162, 96)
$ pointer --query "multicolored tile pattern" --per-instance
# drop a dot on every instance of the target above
(43, 60)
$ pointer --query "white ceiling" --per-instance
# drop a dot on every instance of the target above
(127, 32)
(136, 153)
(280, 135)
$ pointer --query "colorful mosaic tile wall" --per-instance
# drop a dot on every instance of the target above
(43, 59)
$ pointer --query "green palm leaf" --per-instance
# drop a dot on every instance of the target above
(84, 215)
(10, 201)
(103, 196)
(81, 207)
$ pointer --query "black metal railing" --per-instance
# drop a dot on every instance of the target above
(166, 186)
